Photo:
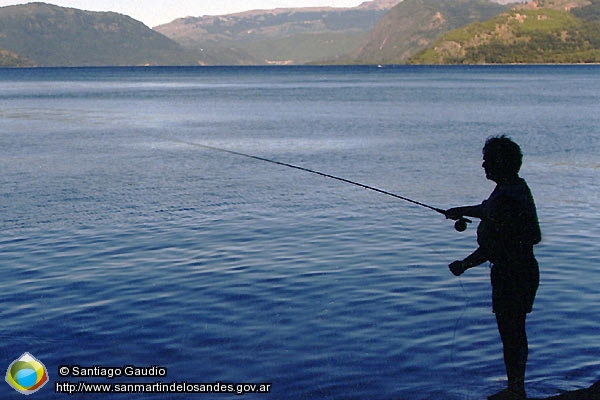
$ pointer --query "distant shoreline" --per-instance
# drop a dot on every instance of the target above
(295, 66)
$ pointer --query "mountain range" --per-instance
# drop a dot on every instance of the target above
(279, 36)
(375, 32)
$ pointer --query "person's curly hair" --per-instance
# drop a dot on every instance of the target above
(504, 153)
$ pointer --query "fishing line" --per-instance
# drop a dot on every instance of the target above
(461, 222)
(464, 310)
(466, 299)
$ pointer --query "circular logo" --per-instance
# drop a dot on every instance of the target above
(27, 374)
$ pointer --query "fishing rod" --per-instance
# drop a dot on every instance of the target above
(461, 222)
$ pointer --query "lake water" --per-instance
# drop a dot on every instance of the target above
(125, 243)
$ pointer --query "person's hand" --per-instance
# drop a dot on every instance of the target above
(457, 268)
(453, 213)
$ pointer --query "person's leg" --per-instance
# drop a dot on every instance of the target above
(514, 341)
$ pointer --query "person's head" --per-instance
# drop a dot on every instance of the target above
(502, 158)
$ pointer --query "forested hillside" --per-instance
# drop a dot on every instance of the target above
(541, 32)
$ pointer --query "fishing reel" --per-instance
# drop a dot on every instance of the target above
(461, 224)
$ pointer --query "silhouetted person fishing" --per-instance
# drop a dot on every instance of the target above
(506, 235)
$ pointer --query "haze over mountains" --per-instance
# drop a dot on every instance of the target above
(279, 36)
(375, 32)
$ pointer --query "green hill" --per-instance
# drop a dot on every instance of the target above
(540, 32)
(46, 35)
(412, 25)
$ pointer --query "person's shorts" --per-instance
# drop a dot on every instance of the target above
(514, 287)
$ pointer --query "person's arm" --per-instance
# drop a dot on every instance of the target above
(466, 211)
(474, 259)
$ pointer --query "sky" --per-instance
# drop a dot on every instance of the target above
(156, 12)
